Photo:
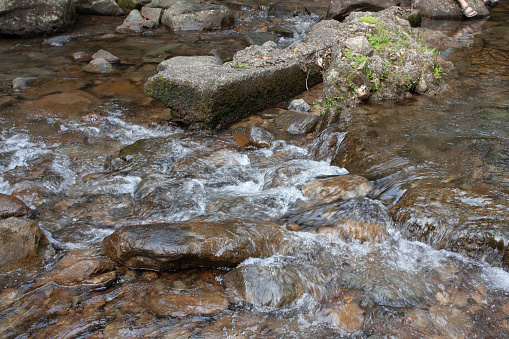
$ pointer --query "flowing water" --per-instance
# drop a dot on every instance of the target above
(59, 152)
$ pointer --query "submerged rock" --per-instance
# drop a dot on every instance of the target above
(337, 188)
(464, 222)
(22, 243)
(171, 246)
(200, 302)
(347, 317)
(264, 286)
(32, 18)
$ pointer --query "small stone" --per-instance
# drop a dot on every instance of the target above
(360, 44)
(81, 56)
(150, 24)
(347, 317)
(296, 122)
(98, 65)
(151, 13)
(22, 83)
(252, 135)
(299, 105)
(104, 55)
(337, 188)
(363, 92)
(57, 41)
(89, 271)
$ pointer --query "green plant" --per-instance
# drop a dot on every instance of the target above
(326, 104)
(438, 72)
(369, 19)
(240, 65)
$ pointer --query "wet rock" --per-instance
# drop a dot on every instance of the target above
(62, 105)
(189, 15)
(81, 56)
(150, 24)
(388, 286)
(152, 13)
(299, 105)
(12, 207)
(252, 135)
(355, 229)
(259, 38)
(296, 122)
(104, 55)
(337, 188)
(220, 95)
(329, 142)
(192, 244)
(339, 9)
(88, 272)
(99, 7)
(450, 321)
(17, 18)
(461, 221)
(98, 65)
(58, 41)
(264, 286)
(448, 9)
(347, 317)
(78, 324)
(200, 302)
(131, 24)
(188, 61)
(22, 83)
(22, 242)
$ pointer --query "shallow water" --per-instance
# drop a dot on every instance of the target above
(62, 139)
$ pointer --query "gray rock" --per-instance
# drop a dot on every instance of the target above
(188, 61)
(57, 41)
(339, 9)
(22, 82)
(162, 3)
(150, 24)
(299, 105)
(447, 9)
(152, 13)
(31, 18)
(22, 243)
(296, 122)
(98, 7)
(131, 24)
(169, 246)
(359, 44)
(104, 55)
(98, 65)
(219, 95)
(259, 38)
(188, 15)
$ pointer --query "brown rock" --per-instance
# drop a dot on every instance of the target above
(356, 229)
(61, 105)
(347, 317)
(105, 55)
(296, 122)
(81, 57)
(179, 305)
(22, 242)
(337, 188)
(89, 271)
(451, 321)
(12, 207)
(251, 135)
(193, 244)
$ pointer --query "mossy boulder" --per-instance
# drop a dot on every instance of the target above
(129, 5)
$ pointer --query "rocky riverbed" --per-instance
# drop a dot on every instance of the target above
(351, 217)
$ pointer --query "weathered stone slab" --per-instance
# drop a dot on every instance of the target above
(447, 9)
(219, 95)
(339, 9)
(27, 18)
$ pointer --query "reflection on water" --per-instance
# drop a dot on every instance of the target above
(91, 153)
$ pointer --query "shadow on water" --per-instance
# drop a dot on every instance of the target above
(92, 153)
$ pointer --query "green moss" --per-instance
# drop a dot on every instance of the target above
(128, 5)
(415, 20)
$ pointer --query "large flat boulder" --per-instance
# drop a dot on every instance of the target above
(170, 246)
(27, 18)
(448, 9)
(339, 9)
(220, 95)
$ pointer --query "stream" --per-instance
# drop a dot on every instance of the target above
(59, 153)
